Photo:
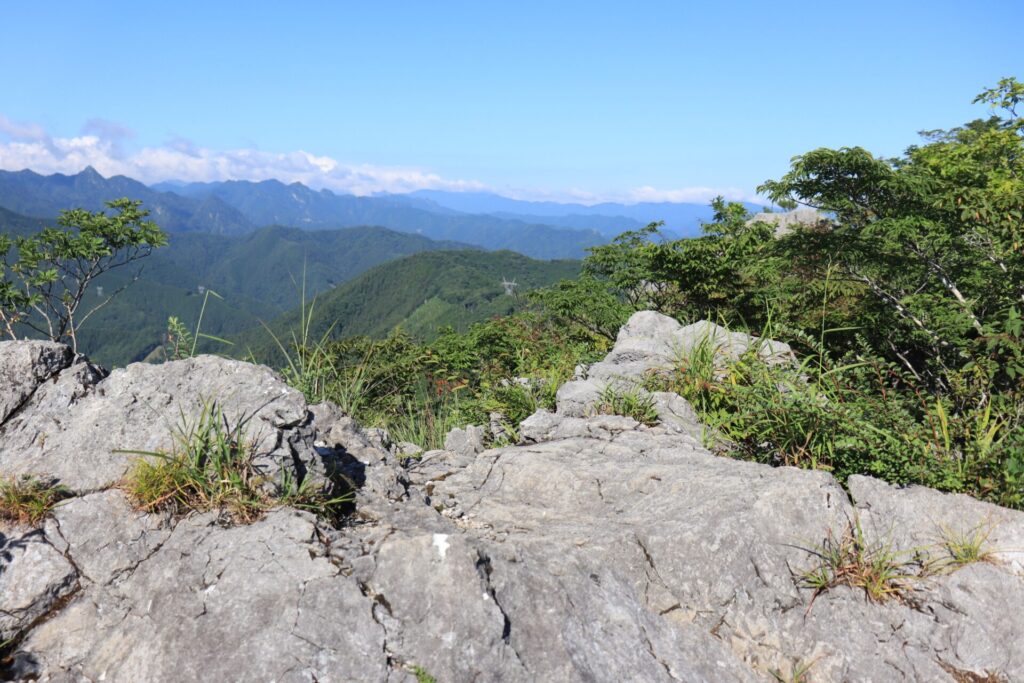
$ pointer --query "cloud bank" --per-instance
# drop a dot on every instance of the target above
(101, 145)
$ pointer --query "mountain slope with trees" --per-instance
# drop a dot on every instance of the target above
(422, 294)
(259, 275)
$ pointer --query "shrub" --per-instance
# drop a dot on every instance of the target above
(28, 500)
(425, 420)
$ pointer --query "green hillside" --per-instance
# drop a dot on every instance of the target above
(420, 294)
(13, 223)
(269, 264)
(259, 276)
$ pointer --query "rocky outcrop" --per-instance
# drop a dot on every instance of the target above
(799, 218)
(80, 425)
(598, 549)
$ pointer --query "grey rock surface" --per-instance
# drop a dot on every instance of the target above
(785, 222)
(34, 577)
(917, 516)
(467, 442)
(598, 549)
(258, 602)
(24, 365)
(77, 426)
(651, 343)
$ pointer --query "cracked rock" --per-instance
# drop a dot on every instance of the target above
(598, 549)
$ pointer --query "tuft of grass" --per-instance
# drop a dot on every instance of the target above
(882, 572)
(422, 675)
(799, 673)
(425, 420)
(181, 342)
(211, 466)
(965, 547)
(28, 500)
(635, 403)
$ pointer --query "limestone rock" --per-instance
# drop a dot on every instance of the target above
(78, 426)
(34, 577)
(258, 602)
(24, 365)
(651, 343)
(599, 549)
(468, 441)
(785, 222)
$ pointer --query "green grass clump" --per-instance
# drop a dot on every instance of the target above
(966, 547)
(635, 403)
(422, 675)
(425, 420)
(28, 500)
(851, 560)
(211, 466)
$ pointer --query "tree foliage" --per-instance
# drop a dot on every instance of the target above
(904, 300)
(44, 277)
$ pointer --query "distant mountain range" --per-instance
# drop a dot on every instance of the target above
(259, 275)
(367, 280)
(681, 219)
(239, 207)
(32, 194)
(485, 220)
(229, 237)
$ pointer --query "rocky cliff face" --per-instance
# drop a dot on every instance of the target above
(598, 549)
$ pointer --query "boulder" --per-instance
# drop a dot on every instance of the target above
(466, 442)
(651, 343)
(785, 222)
(84, 428)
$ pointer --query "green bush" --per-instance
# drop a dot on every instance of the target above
(902, 305)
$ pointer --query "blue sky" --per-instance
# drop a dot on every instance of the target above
(625, 100)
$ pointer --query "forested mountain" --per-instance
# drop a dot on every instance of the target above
(13, 223)
(32, 194)
(273, 202)
(259, 275)
(421, 294)
(239, 207)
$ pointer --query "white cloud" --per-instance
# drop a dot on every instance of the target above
(646, 193)
(698, 195)
(28, 145)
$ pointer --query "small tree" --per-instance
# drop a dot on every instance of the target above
(44, 277)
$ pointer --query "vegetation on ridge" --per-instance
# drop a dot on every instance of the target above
(903, 304)
(44, 277)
